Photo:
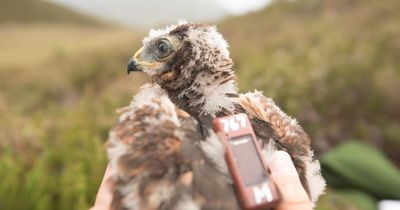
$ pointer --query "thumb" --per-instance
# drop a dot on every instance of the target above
(104, 196)
(286, 178)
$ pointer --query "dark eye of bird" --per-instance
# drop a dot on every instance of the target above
(163, 49)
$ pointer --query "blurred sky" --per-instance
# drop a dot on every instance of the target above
(239, 7)
(147, 13)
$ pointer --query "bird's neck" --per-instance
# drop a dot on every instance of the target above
(209, 95)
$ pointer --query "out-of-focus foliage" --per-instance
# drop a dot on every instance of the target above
(334, 65)
(55, 116)
(60, 84)
(348, 166)
(346, 199)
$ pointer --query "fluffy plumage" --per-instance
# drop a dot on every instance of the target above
(192, 70)
(157, 161)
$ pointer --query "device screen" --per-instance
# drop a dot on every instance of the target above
(250, 166)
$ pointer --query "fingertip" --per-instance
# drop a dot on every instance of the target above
(285, 176)
(281, 160)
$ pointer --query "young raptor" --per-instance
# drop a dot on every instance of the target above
(191, 62)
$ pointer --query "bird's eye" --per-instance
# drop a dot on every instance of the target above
(163, 49)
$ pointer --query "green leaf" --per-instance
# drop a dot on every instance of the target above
(346, 200)
(359, 166)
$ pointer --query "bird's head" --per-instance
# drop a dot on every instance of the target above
(187, 59)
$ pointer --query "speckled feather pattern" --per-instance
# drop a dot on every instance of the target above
(287, 128)
(205, 87)
(163, 151)
(144, 152)
(290, 134)
(156, 156)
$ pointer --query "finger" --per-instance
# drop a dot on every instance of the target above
(104, 196)
(287, 180)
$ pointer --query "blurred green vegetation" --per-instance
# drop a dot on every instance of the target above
(55, 117)
(348, 167)
(62, 76)
(334, 65)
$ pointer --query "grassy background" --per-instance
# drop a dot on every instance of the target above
(62, 76)
(334, 65)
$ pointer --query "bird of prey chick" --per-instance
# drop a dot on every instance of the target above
(166, 158)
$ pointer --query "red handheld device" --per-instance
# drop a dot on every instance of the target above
(245, 162)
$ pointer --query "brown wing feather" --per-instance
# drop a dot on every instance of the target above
(269, 122)
(145, 154)
(157, 163)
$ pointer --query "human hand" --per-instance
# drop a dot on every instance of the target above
(286, 178)
(104, 196)
(283, 172)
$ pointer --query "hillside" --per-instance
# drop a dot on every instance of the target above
(40, 11)
(334, 65)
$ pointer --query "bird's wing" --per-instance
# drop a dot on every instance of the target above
(270, 122)
(144, 151)
(157, 163)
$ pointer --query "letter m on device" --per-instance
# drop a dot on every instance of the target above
(262, 193)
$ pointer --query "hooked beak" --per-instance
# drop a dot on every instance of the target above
(134, 64)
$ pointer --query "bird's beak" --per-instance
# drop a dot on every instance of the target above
(133, 64)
